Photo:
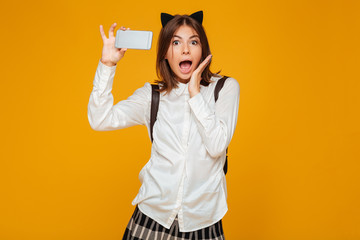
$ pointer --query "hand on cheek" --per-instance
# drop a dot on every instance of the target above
(194, 84)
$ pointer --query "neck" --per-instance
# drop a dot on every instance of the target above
(184, 81)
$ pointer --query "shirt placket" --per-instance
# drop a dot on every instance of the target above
(184, 143)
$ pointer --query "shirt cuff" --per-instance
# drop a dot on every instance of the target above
(106, 69)
(201, 109)
(104, 77)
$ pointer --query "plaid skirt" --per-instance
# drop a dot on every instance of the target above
(142, 227)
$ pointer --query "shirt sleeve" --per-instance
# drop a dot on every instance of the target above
(103, 115)
(217, 128)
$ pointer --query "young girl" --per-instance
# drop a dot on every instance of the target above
(183, 192)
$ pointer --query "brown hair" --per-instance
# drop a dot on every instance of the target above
(167, 78)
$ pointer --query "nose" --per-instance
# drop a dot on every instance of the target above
(186, 49)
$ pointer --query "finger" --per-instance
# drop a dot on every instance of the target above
(122, 52)
(204, 63)
(111, 30)
(123, 28)
(102, 32)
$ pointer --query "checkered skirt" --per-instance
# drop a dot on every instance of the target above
(142, 227)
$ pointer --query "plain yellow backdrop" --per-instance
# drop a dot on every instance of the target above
(294, 158)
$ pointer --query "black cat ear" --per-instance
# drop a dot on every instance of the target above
(165, 18)
(198, 16)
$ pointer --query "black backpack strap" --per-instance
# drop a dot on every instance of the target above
(218, 87)
(155, 98)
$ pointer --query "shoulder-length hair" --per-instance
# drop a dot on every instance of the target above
(167, 78)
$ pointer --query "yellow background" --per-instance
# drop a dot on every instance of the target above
(294, 158)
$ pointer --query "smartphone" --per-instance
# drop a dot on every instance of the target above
(133, 39)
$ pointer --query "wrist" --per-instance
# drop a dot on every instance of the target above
(194, 93)
(107, 63)
(193, 89)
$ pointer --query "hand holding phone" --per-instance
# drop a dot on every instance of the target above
(110, 54)
(133, 39)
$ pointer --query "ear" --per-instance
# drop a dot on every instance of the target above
(198, 16)
(165, 18)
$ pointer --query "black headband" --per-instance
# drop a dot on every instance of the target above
(165, 18)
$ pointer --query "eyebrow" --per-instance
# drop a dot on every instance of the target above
(193, 36)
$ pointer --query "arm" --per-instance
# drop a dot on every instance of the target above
(217, 128)
(103, 115)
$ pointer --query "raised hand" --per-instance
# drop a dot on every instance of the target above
(194, 83)
(110, 54)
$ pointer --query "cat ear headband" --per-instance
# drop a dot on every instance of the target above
(165, 18)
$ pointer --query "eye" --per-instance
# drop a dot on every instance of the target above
(194, 42)
(176, 42)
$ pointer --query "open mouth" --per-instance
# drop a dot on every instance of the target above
(185, 66)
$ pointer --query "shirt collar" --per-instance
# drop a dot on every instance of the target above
(181, 88)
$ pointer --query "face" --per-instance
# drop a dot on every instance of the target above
(184, 53)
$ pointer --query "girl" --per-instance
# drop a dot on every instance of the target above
(183, 192)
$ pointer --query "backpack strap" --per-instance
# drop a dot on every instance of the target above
(155, 98)
(218, 87)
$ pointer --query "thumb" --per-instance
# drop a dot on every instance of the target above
(122, 50)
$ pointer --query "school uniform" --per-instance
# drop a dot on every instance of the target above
(183, 183)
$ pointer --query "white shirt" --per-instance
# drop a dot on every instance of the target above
(184, 175)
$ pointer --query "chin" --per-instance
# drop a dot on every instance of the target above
(184, 78)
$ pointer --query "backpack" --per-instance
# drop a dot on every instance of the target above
(155, 98)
